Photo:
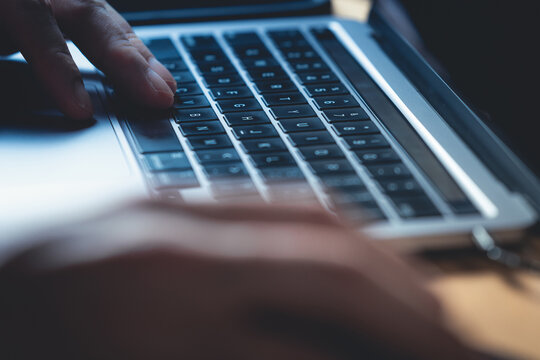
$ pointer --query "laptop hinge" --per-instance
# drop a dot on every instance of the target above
(464, 121)
(285, 9)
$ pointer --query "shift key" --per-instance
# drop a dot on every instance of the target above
(154, 135)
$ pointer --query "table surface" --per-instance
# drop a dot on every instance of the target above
(492, 307)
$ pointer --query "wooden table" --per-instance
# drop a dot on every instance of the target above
(490, 306)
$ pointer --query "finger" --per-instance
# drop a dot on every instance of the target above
(285, 233)
(338, 299)
(145, 52)
(282, 348)
(93, 26)
(33, 28)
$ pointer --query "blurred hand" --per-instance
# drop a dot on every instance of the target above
(161, 281)
(37, 28)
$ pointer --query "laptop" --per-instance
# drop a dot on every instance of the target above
(277, 100)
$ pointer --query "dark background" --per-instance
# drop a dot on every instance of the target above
(489, 49)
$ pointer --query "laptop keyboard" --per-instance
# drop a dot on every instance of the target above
(246, 112)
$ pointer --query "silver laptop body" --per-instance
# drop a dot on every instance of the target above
(52, 177)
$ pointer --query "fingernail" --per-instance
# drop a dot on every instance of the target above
(81, 96)
(163, 72)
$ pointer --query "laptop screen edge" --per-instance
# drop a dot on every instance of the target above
(289, 8)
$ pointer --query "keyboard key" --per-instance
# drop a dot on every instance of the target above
(292, 55)
(320, 78)
(272, 160)
(209, 142)
(224, 171)
(191, 102)
(195, 115)
(224, 80)
(242, 38)
(326, 89)
(217, 69)
(199, 42)
(353, 197)
(206, 57)
(268, 74)
(217, 156)
(237, 92)
(377, 156)
(292, 192)
(188, 90)
(463, 207)
(279, 86)
(312, 138)
(230, 190)
(154, 135)
(254, 131)
(415, 207)
(401, 187)
(342, 181)
(257, 63)
(286, 34)
(331, 167)
(167, 161)
(247, 118)
(309, 66)
(355, 128)
(321, 152)
(284, 99)
(389, 171)
(359, 209)
(174, 179)
(201, 128)
(282, 174)
(162, 49)
(333, 102)
(252, 51)
(291, 44)
(291, 112)
(174, 65)
(183, 77)
(264, 145)
(365, 214)
(356, 114)
(366, 142)
(227, 106)
(297, 125)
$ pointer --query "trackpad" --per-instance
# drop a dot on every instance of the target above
(47, 148)
(50, 165)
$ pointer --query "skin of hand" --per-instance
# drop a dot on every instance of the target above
(164, 281)
(37, 28)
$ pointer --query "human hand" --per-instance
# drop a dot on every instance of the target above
(161, 281)
(36, 28)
